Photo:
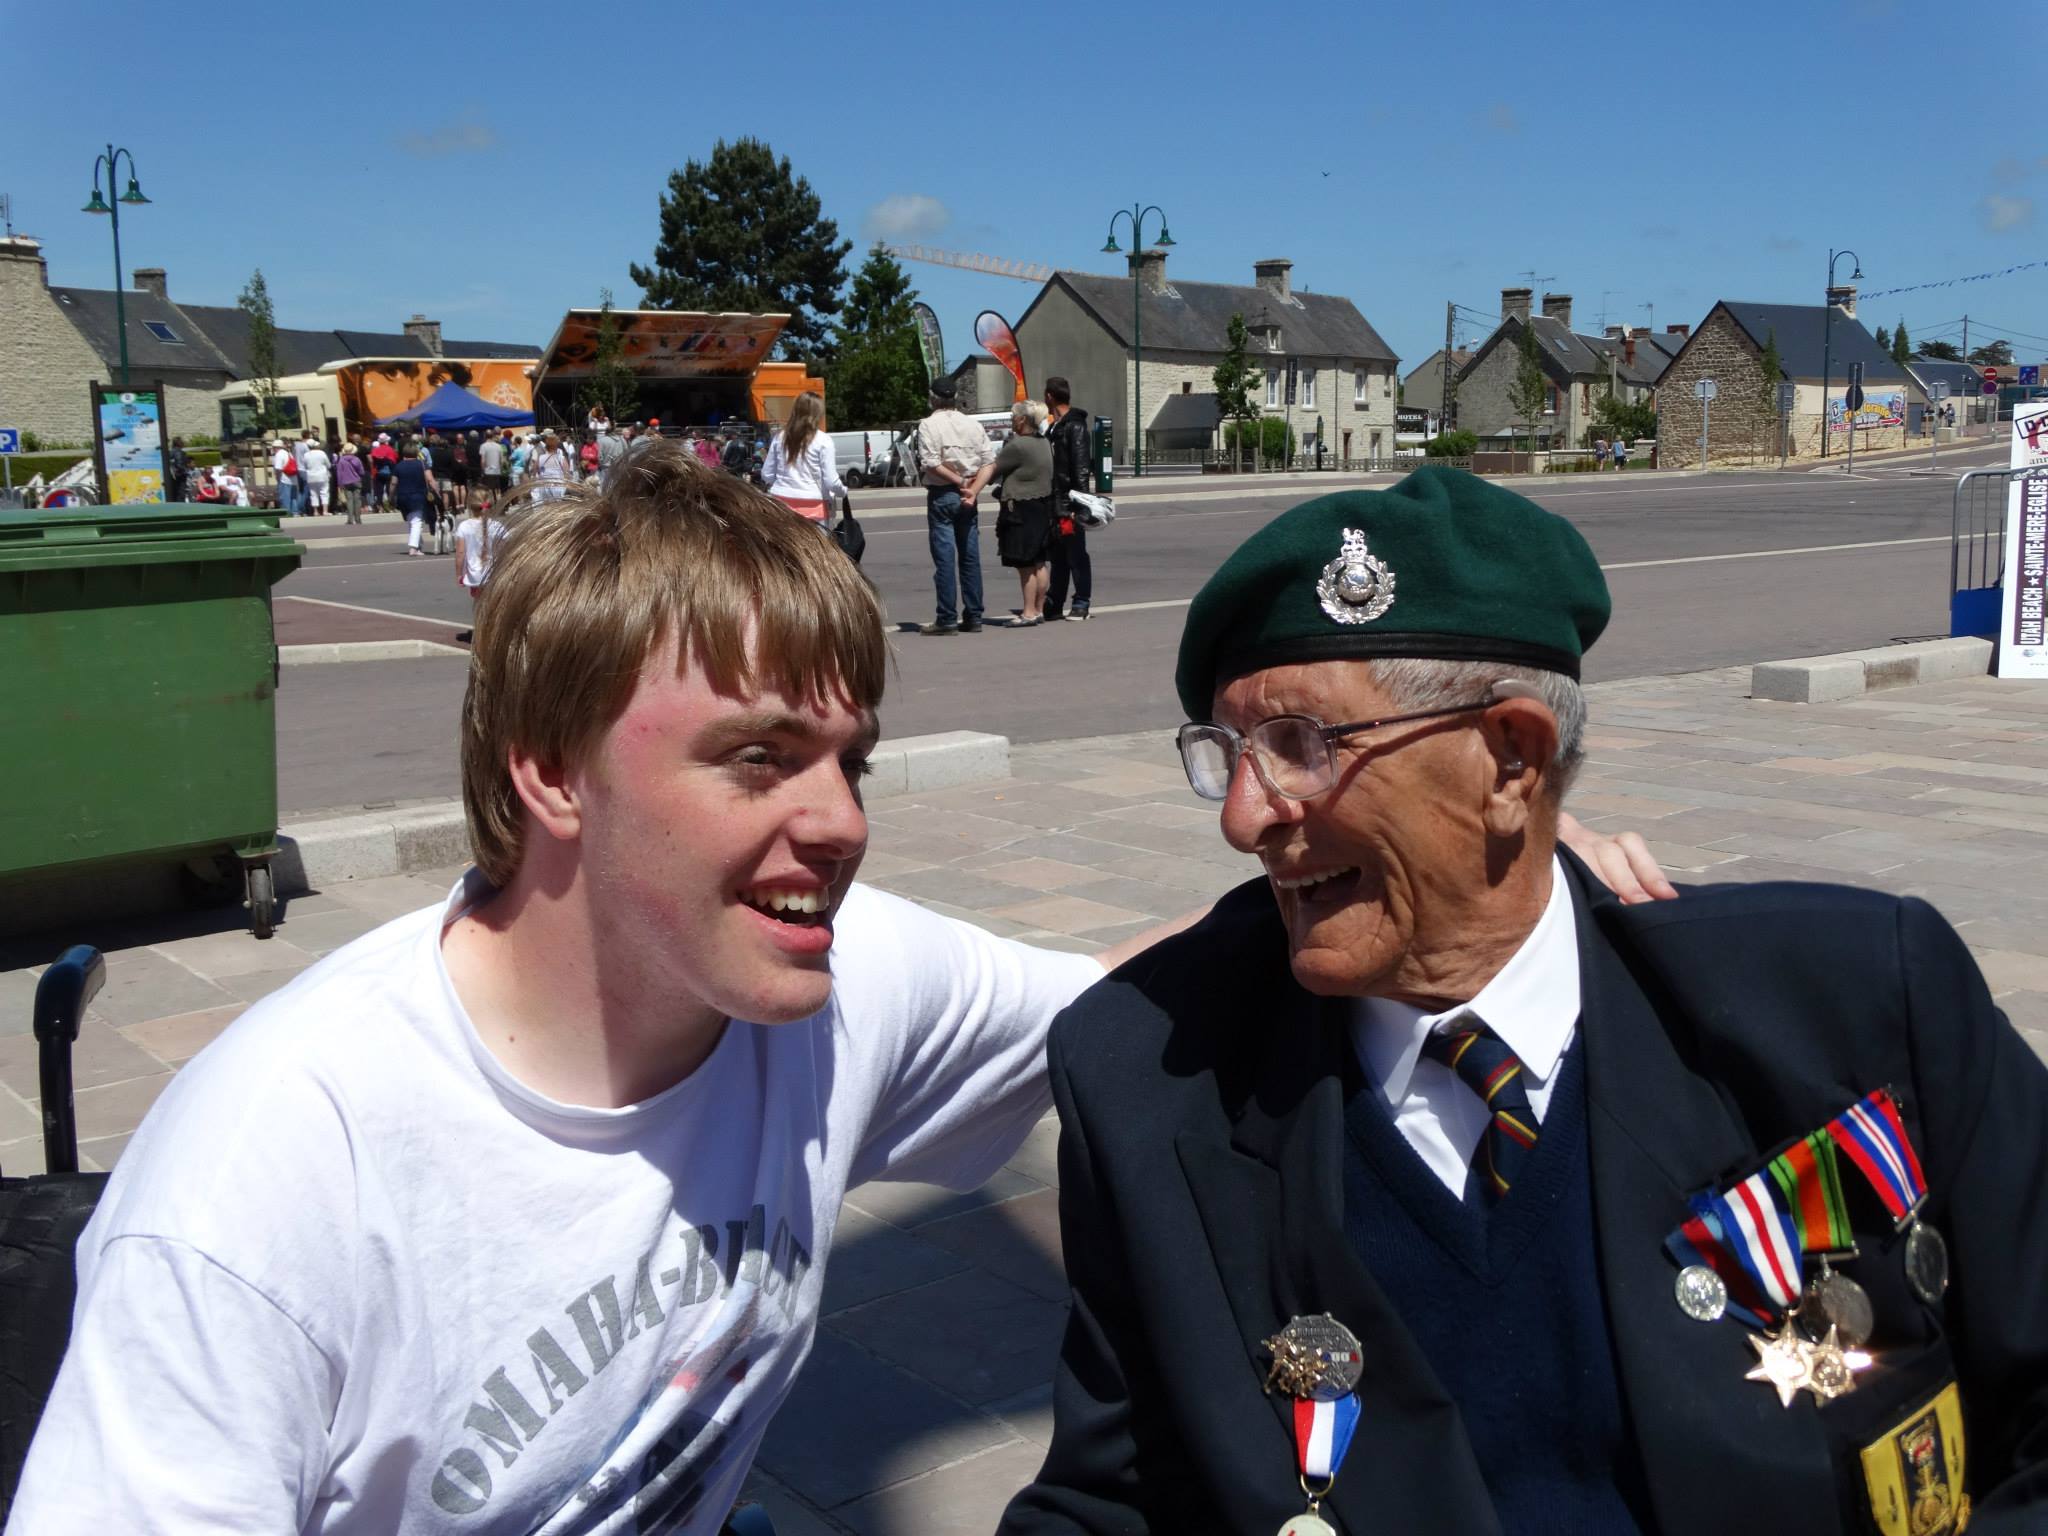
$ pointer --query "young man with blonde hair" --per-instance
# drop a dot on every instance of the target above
(513, 1215)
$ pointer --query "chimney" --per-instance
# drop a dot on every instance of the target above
(27, 250)
(1515, 302)
(1628, 349)
(1275, 275)
(1149, 268)
(1844, 296)
(426, 332)
(1680, 331)
(154, 280)
(1640, 332)
(1558, 307)
(1616, 332)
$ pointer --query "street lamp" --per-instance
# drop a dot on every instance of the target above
(100, 205)
(1827, 339)
(1137, 217)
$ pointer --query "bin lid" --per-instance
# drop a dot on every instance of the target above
(145, 534)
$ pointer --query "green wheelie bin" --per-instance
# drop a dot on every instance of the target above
(138, 691)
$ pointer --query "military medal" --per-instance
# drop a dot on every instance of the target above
(1702, 1294)
(1317, 1362)
(1782, 1362)
(1810, 1179)
(1356, 587)
(1874, 1135)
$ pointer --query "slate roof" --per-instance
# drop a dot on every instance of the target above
(1961, 378)
(1186, 413)
(1195, 317)
(1799, 327)
(92, 311)
(215, 337)
(1653, 355)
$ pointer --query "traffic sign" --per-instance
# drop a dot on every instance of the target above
(10, 439)
(1706, 389)
(1855, 397)
(1938, 390)
(1990, 381)
(2029, 373)
(1788, 397)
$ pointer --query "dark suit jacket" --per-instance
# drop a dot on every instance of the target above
(1201, 1097)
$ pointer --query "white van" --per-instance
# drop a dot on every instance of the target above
(874, 457)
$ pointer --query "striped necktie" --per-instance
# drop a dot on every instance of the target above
(1486, 1066)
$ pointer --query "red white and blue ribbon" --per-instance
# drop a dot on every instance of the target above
(1322, 1434)
(1874, 1136)
(1763, 1237)
(1699, 1241)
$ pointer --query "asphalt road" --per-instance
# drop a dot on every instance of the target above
(1706, 571)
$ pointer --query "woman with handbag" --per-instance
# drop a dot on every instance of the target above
(802, 470)
(1024, 525)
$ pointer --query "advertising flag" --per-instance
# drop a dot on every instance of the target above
(993, 332)
(930, 342)
(2023, 625)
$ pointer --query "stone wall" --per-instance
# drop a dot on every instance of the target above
(1742, 426)
(45, 365)
(1485, 402)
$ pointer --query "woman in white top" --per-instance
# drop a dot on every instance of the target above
(802, 470)
(477, 538)
(551, 464)
(319, 472)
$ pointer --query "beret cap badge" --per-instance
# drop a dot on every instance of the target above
(1356, 587)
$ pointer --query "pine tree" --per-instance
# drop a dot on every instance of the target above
(741, 231)
(876, 376)
(1883, 338)
(1902, 348)
(1773, 373)
(254, 301)
(1235, 378)
(612, 387)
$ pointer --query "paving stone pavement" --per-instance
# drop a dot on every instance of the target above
(927, 1398)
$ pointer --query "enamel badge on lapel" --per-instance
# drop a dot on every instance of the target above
(1317, 1362)
(1356, 587)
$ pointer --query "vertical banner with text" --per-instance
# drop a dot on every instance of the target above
(930, 342)
(128, 444)
(2023, 623)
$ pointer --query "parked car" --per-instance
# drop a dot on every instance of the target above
(874, 457)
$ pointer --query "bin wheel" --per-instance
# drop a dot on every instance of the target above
(262, 900)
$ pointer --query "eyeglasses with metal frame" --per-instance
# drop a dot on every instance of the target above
(1293, 755)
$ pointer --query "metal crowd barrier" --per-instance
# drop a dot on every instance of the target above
(1976, 551)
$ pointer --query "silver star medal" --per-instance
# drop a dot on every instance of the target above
(1356, 587)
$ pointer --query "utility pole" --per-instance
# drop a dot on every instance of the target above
(1450, 317)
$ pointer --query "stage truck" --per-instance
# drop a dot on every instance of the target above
(692, 369)
(346, 399)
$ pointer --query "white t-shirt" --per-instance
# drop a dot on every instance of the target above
(478, 551)
(316, 464)
(351, 1276)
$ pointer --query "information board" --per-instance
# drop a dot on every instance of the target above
(2023, 619)
(128, 444)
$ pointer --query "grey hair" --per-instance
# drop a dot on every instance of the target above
(1031, 411)
(1415, 682)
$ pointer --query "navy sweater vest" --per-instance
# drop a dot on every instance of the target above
(1507, 1307)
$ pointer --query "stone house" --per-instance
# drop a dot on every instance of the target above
(55, 341)
(1577, 371)
(1743, 423)
(1424, 387)
(1081, 326)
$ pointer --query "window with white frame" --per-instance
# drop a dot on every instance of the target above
(1358, 385)
(1273, 396)
(1308, 388)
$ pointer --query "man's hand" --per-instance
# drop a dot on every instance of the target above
(1623, 864)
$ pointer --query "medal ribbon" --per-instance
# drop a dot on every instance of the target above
(1763, 1237)
(1811, 1182)
(1875, 1138)
(1322, 1434)
(1699, 1242)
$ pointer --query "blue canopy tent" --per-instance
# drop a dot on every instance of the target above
(451, 408)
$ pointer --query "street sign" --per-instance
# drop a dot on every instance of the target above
(2029, 373)
(1293, 378)
(1706, 389)
(1788, 397)
(1855, 398)
(1990, 381)
(10, 439)
(1938, 390)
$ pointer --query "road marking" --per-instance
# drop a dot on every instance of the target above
(389, 613)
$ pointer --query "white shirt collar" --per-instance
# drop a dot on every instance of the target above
(1532, 1003)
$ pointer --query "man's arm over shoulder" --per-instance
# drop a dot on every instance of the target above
(1981, 1097)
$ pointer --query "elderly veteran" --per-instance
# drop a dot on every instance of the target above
(1557, 1215)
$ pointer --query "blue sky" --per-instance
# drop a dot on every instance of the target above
(492, 171)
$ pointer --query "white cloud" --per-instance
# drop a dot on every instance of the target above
(905, 216)
(2001, 213)
(468, 134)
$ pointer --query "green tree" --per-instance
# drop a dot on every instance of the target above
(1772, 373)
(1530, 391)
(876, 376)
(1452, 445)
(254, 301)
(741, 231)
(1275, 439)
(612, 387)
(1939, 351)
(1995, 354)
(1883, 338)
(1235, 378)
(1620, 420)
(1902, 347)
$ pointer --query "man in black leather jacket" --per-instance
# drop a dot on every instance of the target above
(1070, 472)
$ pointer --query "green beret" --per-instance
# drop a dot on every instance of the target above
(1444, 565)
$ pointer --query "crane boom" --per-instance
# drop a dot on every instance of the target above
(973, 261)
